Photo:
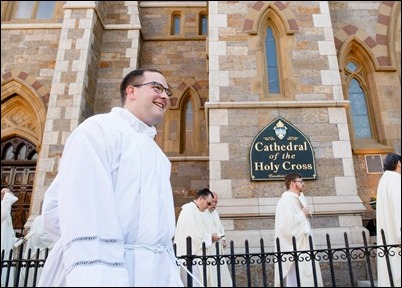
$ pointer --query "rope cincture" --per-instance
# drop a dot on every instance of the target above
(161, 249)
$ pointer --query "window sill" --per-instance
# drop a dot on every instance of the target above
(370, 146)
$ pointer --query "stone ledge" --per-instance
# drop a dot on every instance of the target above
(320, 205)
(336, 235)
(366, 283)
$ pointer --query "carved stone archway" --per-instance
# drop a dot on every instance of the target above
(23, 115)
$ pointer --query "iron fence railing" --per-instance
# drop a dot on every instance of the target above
(340, 267)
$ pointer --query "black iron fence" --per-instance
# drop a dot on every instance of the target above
(347, 266)
(19, 269)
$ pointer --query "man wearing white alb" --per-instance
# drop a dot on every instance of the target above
(291, 219)
(192, 223)
(8, 237)
(214, 224)
(35, 239)
(111, 204)
(388, 218)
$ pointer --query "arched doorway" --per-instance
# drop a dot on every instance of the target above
(23, 115)
(18, 163)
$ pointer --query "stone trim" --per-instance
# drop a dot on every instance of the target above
(26, 112)
(183, 87)
(276, 104)
(320, 205)
(259, 9)
(378, 45)
(29, 81)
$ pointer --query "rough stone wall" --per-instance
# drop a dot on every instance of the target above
(187, 178)
(112, 61)
(32, 51)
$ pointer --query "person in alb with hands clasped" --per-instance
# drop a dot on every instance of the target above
(291, 219)
(8, 237)
(389, 219)
(110, 207)
(213, 224)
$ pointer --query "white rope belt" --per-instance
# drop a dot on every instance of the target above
(156, 248)
(161, 249)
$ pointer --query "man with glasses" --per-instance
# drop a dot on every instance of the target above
(214, 225)
(291, 220)
(191, 223)
(110, 207)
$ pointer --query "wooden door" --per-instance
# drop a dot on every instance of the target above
(18, 164)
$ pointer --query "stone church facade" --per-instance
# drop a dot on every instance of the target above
(58, 71)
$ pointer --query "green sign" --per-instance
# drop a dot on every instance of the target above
(280, 149)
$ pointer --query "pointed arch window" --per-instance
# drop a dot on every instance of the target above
(360, 117)
(273, 78)
(188, 124)
(21, 152)
(190, 127)
(362, 111)
(18, 149)
(272, 62)
(358, 102)
(8, 153)
(359, 111)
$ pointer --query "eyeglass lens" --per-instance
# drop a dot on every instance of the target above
(159, 89)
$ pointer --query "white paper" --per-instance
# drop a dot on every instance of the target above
(303, 200)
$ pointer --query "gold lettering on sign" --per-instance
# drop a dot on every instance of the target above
(260, 147)
(281, 148)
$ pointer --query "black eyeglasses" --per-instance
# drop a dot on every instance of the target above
(209, 203)
(158, 87)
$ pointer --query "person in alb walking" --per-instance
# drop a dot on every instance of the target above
(291, 219)
(388, 218)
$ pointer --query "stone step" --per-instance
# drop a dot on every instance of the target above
(366, 283)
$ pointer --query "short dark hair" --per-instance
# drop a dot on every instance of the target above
(391, 161)
(290, 178)
(204, 193)
(133, 78)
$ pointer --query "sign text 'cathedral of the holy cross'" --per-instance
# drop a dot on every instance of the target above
(280, 149)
